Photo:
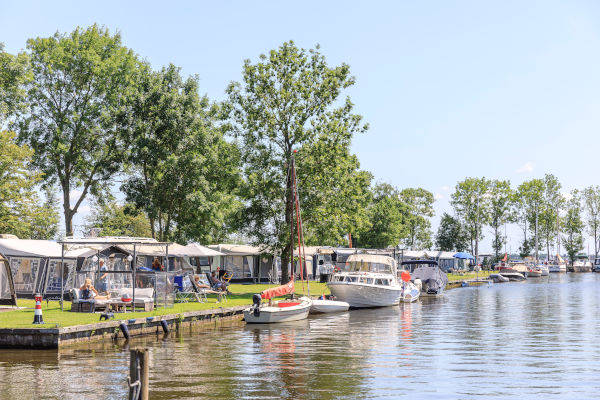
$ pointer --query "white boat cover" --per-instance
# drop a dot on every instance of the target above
(371, 258)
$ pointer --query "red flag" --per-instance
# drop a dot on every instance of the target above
(505, 257)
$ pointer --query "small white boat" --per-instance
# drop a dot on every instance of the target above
(411, 292)
(534, 272)
(278, 311)
(511, 274)
(497, 278)
(325, 306)
(427, 276)
(582, 265)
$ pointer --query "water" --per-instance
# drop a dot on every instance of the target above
(517, 340)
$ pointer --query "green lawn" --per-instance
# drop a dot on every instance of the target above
(240, 295)
(468, 275)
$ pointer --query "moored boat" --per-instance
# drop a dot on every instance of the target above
(512, 275)
(326, 306)
(278, 311)
(534, 272)
(369, 281)
(428, 276)
(497, 278)
(582, 265)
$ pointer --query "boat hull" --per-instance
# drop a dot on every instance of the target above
(328, 306)
(557, 268)
(275, 314)
(365, 296)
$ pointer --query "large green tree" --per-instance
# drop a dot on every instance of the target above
(113, 219)
(12, 76)
(183, 173)
(549, 216)
(573, 226)
(387, 214)
(76, 98)
(286, 100)
(529, 204)
(22, 212)
(451, 236)
(470, 202)
(500, 207)
(419, 204)
(591, 198)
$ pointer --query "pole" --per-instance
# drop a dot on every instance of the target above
(138, 374)
(536, 235)
(62, 275)
(133, 265)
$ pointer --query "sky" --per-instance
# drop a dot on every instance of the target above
(450, 89)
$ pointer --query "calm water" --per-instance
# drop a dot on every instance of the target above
(540, 338)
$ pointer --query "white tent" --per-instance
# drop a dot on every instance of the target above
(8, 295)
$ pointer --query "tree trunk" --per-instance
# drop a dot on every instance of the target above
(68, 214)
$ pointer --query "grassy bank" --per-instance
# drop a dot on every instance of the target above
(468, 275)
(53, 316)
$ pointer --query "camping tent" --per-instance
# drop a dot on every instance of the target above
(7, 288)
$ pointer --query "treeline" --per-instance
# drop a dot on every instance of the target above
(544, 214)
(83, 115)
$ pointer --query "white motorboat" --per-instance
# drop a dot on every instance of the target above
(368, 281)
(544, 269)
(511, 274)
(582, 265)
(326, 306)
(534, 272)
(278, 311)
(497, 278)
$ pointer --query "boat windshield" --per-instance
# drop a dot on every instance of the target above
(364, 266)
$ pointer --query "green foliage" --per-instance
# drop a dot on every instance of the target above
(290, 99)
(451, 236)
(12, 75)
(471, 206)
(76, 95)
(21, 210)
(387, 213)
(529, 204)
(548, 220)
(419, 204)
(573, 226)
(183, 173)
(113, 219)
(500, 202)
(591, 197)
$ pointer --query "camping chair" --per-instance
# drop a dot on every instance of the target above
(221, 295)
(181, 294)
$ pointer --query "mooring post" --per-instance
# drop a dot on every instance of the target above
(138, 374)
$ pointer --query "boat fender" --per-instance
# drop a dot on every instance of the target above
(256, 298)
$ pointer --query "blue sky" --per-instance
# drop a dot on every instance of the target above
(506, 89)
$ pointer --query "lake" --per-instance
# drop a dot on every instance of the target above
(535, 339)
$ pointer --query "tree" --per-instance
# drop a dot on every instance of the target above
(500, 203)
(113, 219)
(529, 203)
(76, 97)
(471, 205)
(387, 213)
(591, 197)
(12, 75)
(21, 210)
(549, 216)
(183, 174)
(287, 100)
(419, 208)
(573, 226)
(451, 236)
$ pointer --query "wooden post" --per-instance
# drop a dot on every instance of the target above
(138, 371)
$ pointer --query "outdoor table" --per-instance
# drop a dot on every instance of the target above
(118, 305)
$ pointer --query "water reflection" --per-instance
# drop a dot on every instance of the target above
(517, 340)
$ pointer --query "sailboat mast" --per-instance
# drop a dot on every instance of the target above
(300, 230)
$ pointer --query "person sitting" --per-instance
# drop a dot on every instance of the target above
(156, 266)
(200, 284)
(216, 283)
(89, 292)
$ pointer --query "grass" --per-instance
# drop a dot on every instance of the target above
(54, 317)
(468, 275)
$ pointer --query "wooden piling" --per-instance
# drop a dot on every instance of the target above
(138, 372)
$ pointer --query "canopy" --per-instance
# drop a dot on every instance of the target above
(8, 295)
(464, 256)
(278, 291)
(201, 251)
(29, 248)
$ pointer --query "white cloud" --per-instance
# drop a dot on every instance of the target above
(438, 196)
(526, 168)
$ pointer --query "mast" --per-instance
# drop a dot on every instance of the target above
(300, 230)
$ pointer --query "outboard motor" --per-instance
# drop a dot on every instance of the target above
(256, 298)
